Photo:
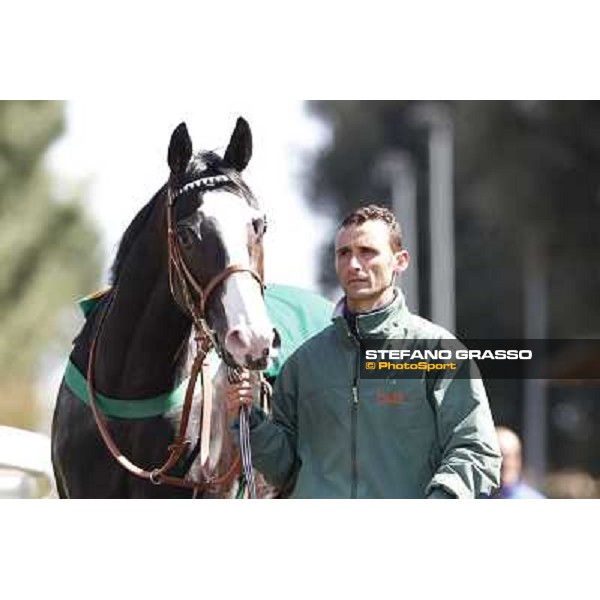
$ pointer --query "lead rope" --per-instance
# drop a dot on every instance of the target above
(246, 451)
(234, 375)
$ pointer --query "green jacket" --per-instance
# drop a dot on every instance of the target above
(341, 437)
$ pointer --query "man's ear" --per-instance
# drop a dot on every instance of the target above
(402, 258)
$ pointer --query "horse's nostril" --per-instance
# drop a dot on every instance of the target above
(237, 341)
(266, 352)
(276, 339)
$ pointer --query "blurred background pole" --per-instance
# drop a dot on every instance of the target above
(535, 390)
(437, 119)
(398, 171)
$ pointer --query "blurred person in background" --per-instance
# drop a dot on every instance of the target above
(512, 487)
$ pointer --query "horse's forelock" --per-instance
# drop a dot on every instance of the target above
(211, 160)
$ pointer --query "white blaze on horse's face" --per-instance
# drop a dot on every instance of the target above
(249, 332)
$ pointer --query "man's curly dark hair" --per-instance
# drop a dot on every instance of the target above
(374, 212)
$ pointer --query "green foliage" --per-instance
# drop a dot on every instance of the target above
(522, 169)
(48, 247)
(528, 169)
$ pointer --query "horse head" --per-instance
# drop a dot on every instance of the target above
(216, 230)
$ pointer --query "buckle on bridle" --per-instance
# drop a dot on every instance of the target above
(155, 477)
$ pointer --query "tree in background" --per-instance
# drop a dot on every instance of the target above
(48, 250)
(344, 172)
(521, 169)
(524, 171)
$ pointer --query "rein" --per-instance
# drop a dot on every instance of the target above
(205, 340)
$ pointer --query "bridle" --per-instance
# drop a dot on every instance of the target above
(178, 267)
(205, 340)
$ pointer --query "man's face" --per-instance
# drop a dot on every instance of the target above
(365, 264)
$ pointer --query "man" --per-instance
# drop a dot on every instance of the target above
(512, 486)
(335, 435)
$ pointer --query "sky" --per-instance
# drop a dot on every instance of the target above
(118, 149)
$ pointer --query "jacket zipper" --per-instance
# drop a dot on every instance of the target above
(354, 418)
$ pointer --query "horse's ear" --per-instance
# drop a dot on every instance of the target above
(180, 149)
(239, 151)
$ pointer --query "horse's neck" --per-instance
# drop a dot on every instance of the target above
(143, 343)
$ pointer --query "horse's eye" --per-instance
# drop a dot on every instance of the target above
(260, 226)
(185, 236)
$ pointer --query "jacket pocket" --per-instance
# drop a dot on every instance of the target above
(399, 403)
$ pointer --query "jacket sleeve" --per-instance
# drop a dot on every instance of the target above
(470, 459)
(273, 439)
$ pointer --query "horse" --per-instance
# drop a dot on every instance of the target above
(187, 277)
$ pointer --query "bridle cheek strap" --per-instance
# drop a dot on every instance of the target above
(187, 280)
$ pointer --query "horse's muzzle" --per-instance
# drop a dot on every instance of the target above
(250, 350)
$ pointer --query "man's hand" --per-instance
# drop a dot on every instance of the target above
(238, 395)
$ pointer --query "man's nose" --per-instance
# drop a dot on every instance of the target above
(354, 263)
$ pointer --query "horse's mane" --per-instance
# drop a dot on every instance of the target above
(131, 234)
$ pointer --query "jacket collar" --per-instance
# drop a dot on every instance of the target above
(379, 323)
